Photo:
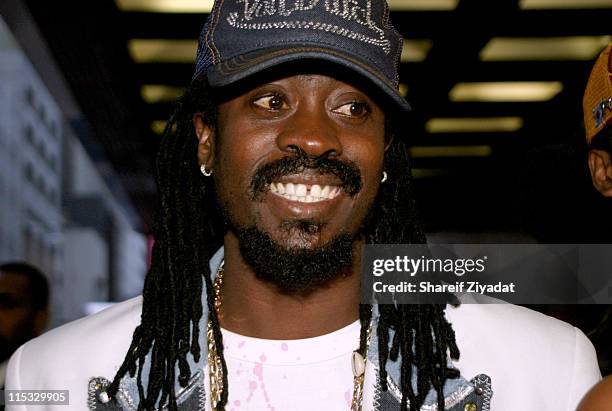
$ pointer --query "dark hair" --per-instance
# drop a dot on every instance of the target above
(189, 231)
(38, 284)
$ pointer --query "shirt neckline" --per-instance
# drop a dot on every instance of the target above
(292, 352)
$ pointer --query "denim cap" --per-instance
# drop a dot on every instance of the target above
(245, 37)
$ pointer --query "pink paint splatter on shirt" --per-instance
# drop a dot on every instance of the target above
(237, 403)
(263, 358)
(258, 371)
(241, 344)
(284, 347)
(252, 387)
(347, 398)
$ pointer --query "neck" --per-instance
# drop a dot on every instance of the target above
(256, 308)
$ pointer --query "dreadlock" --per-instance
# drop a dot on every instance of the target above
(189, 230)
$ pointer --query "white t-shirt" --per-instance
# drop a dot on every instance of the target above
(290, 375)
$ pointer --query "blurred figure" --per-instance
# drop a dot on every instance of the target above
(24, 297)
(597, 105)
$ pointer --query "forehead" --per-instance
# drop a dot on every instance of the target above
(310, 73)
(14, 283)
(308, 83)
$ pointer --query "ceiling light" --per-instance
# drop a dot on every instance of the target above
(205, 6)
(545, 48)
(415, 50)
(474, 125)
(450, 151)
(403, 5)
(511, 91)
(430, 172)
(565, 4)
(157, 93)
(166, 6)
(163, 51)
(158, 127)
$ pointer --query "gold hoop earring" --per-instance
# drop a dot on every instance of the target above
(205, 172)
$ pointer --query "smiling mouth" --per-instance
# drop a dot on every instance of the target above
(305, 193)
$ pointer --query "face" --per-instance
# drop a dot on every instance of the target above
(299, 159)
(19, 321)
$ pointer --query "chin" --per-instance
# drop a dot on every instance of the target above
(300, 235)
(298, 264)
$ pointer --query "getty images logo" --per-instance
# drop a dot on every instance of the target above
(312, 15)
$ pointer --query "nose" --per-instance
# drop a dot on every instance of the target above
(312, 131)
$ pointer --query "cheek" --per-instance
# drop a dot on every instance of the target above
(13, 322)
(240, 151)
(370, 159)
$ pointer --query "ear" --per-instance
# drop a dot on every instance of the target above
(600, 165)
(206, 143)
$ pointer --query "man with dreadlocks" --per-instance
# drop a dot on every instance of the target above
(282, 160)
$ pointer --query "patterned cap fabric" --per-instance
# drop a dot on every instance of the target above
(597, 102)
(244, 37)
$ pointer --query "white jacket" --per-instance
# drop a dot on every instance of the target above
(535, 362)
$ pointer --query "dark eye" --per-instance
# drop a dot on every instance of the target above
(353, 109)
(272, 102)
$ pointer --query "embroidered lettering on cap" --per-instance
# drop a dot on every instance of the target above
(264, 15)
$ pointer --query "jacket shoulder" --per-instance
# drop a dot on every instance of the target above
(532, 358)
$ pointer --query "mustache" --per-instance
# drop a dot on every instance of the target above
(347, 172)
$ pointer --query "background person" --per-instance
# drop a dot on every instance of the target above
(597, 105)
(24, 298)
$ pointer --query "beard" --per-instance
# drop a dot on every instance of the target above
(295, 270)
(291, 264)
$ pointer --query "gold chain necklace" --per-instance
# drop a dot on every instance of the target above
(358, 362)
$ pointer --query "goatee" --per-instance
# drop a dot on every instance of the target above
(296, 270)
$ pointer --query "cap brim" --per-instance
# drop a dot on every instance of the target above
(230, 71)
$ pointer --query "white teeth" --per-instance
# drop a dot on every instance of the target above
(290, 189)
(301, 193)
(301, 190)
(325, 192)
(315, 190)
